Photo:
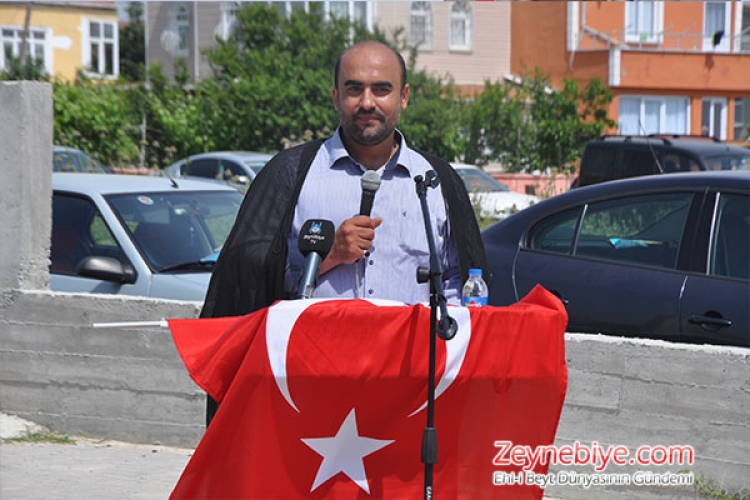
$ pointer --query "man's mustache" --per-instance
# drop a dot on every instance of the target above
(370, 112)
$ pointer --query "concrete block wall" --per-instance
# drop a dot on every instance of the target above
(129, 384)
(126, 384)
(636, 392)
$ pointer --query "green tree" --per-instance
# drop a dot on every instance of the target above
(133, 44)
(432, 122)
(563, 120)
(492, 124)
(532, 126)
(32, 70)
(272, 84)
(272, 79)
(95, 118)
(174, 120)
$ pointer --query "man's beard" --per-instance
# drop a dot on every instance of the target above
(369, 136)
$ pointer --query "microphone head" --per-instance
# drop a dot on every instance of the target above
(370, 181)
(316, 236)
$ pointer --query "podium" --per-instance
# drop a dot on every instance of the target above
(326, 398)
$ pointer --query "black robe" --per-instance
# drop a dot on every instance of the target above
(249, 274)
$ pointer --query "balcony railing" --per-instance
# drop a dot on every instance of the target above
(589, 39)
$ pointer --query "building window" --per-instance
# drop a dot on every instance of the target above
(358, 11)
(420, 25)
(460, 26)
(713, 118)
(741, 119)
(716, 26)
(101, 56)
(653, 115)
(643, 20)
(179, 39)
(37, 48)
(228, 21)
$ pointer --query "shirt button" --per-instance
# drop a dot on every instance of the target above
(371, 262)
(370, 291)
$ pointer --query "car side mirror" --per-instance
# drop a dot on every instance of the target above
(106, 268)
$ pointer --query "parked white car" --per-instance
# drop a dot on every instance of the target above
(137, 235)
(494, 199)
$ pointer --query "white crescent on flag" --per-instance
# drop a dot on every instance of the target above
(282, 317)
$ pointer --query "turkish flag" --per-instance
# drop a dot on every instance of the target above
(327, 398)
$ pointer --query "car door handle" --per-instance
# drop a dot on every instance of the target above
(709, 322)
(557, 294)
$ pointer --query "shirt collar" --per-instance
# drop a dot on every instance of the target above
(403, 155)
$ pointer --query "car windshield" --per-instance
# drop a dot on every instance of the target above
(729, 162)
(71, 160)
(174, 230)
(479, 181)
(255, 165)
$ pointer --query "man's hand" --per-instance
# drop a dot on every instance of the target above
(353, 238)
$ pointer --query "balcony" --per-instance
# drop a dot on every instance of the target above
(687, 41)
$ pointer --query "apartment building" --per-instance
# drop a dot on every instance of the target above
(183, 30)
(674, 67)
(468, 40)
(65, 36)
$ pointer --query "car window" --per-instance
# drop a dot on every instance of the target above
(556, 233)
(255, 165)
(78, 231)
(728, 162)
(676, 162)
(730, 254)
(67, 160)
(600, 165)
(230, 171)
(643, 230)
(640, 161)
(203, 168)
(175, 228)
(479, 181)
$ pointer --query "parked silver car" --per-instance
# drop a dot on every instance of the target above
(235, 168)
(66, 159)
(137, 235)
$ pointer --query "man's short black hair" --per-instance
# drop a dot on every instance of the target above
(400, 58)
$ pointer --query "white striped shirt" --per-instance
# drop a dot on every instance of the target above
(332, 191)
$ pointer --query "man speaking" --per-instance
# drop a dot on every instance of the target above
(374, 255)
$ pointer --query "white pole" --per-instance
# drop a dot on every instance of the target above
(130, 324)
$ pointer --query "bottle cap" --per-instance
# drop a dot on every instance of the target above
(475, 272)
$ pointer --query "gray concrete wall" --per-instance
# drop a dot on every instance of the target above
(25, 162)
(126, 384)
(635, 392)
(129, 384)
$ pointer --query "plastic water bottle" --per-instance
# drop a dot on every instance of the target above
(474, 292)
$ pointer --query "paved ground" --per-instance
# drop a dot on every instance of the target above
(86, 470)
(89, 470)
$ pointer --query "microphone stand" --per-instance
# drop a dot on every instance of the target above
(446, 328)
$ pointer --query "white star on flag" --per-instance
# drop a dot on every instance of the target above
(344, 453)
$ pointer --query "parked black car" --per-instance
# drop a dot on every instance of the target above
(659, 256)
(611, 157)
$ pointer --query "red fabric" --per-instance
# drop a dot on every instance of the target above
(373, 359)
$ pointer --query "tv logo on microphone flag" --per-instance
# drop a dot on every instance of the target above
(326, 398)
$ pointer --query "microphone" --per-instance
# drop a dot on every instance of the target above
(370, 183)
(315, 241)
